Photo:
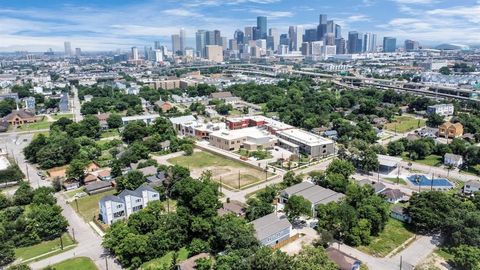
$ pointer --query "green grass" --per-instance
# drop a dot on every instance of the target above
(205, 159)
(166, 260)
(43, 124)
(64, 115)
(110, 133)
(80, 263)
(444, 253)
(88, 206)
(27, 253)
(392, 237)
(395, 180)
(71, 193)
(402, 124)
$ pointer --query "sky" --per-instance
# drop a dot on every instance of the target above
(109, 25)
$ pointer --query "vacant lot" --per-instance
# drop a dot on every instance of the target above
(44, 249)
(165, 261)
(403, 124)
(233, 174)
(88, 206)
(392, 237)
(80, 263)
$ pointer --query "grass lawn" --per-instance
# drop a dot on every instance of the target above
(431, 160)
(109, 133)
(27, 253)
(444, 253)
(71, 193)
(395, 180)
(166, 260)
(88, 206)
(43, 124)
(80, 263)
(403, 124)
(392, 237)
(64, 115)
(231, 173)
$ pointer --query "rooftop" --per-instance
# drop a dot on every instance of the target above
(304, 137)
(269, 225)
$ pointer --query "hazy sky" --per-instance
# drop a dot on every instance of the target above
(36, 25)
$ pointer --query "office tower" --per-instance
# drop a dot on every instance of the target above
(369, 42)
(134, 53)
(233, 45)
(389, 44)
(175, 43)
(182, 40)
(275, 36)
(224, 43)
(330, 39)
(296, 35)
(262, 44)
(68, 48)
(306, 48)
(331, 27)
(156, 45)
(322, 27)
(214, 53)
(316, 47)
(217, 37)
(78, 51)
(284, 40)
(282, 49)
(157, 55)
(200, 40)
(340, 44)
(239, 36)
(145, 53)
(338, 31)
(411, 45)
(328, 51)
(210, 38)
(310, 35)
(262, 27)
(256, 33)
(248, 34)
(354, 42)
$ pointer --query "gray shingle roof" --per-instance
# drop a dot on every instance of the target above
(269, 225)
(111, 198)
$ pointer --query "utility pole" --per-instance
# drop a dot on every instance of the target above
(106, 263)
(401, 261)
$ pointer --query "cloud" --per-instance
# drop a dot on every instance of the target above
(358, 18)
(415, 2)
(181, 12)
(272, 14)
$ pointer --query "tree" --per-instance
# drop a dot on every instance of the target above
(4, 201)
(187, 149)
(231, 232)
(445, 71)
(61, 124)
(91, 126)
(23, 195)
(434, 120)
(297, 206)
(369, 160)
(289, 179)
(23, 267)
(204, 264)
(35, 145)
(395, 148)
(312, 258)
(466, 257)
(343, 167)
(76, 169)
(43, 195)
(114, 121)
(257, 208)
(132, 180)
(134, 131)
(7, 254)
(46, 221)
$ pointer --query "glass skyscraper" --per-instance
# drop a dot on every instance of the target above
(389, 44)
(262, 27)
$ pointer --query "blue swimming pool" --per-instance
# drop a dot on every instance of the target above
(424, 181)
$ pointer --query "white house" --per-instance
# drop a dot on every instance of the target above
(471, 186)
(441, 109)
(452, 159)
(113, 208)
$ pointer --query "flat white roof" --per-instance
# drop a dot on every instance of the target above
(140, 117)
(304, 137)
(182, 119)
(251, 132)
(388, 161)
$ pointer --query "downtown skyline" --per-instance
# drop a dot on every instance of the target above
(121, 24)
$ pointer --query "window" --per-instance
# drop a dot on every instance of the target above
(138, 200)
(119, 206)
(155, 195)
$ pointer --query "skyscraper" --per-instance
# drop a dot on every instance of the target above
(200, 40)
(322, 27)
(248, 34)
(217, 37)
(329, 39)
(310, 35)
(68, 48)
(214, 53)
(182, 40)
(134, 53)
(210, 38)
(338, 31)
(411, 45)
(295, 34)
(389, 44)
(256, 33)
(78, 51)
(369, 42)
(340, 44)
(331, 27)
(239, 36)
(175, 43)
(262, 27)
(275, 38)
(156, 45)
(354, 42)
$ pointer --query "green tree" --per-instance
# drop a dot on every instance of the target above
(134, 131)
(21, 267)
(434, 120)
(91, 126)
(466, 257)
(290, 179)
(369, 160)
(231, 232)
(297, 206)
(132, 180)
(76, 169)
(7, 254)
(445, 71)
(313, 259)
(43, 195)
(114, 121)
(257, 208)
(23, 195)
(46, 221)
(343, 167)
(4, 201)
(395, 148)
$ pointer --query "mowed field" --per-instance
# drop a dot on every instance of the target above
(403, 124)
(233, 174)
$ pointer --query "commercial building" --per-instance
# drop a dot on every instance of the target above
(114, 208)
(411, 45)
(389, 44)
(251, 139)
(354, 42)
(304, 142)
(262, 27)
(147, 119)
(175, 43)
(189, 126)
(68, 48)
(271, 230)
(214, 53)
(441, 109)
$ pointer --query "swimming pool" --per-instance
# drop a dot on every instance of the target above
(424, 181)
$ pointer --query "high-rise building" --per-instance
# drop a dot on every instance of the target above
(224, 43)
(256, 33)
(176, 43)
(218, 37)
(239, 36)
(284, 40)
(369, 42)
(156, 45)
(322, 27)
(316, 47)
(331, 27)
(248, 34)
(210, 38)
(338, 31)
(134, 53)
(68, 48)
(296, 37)
(78, 51)
(146, 53)
(411, 45)
(389, 44)
(200, 40)
(328, 51)
(340, 44)
(354, 42)
(182, 40)
(310, 35)
(262, 27)
(275, 38)
(214, 53)
(329, 39)
(157, 55)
